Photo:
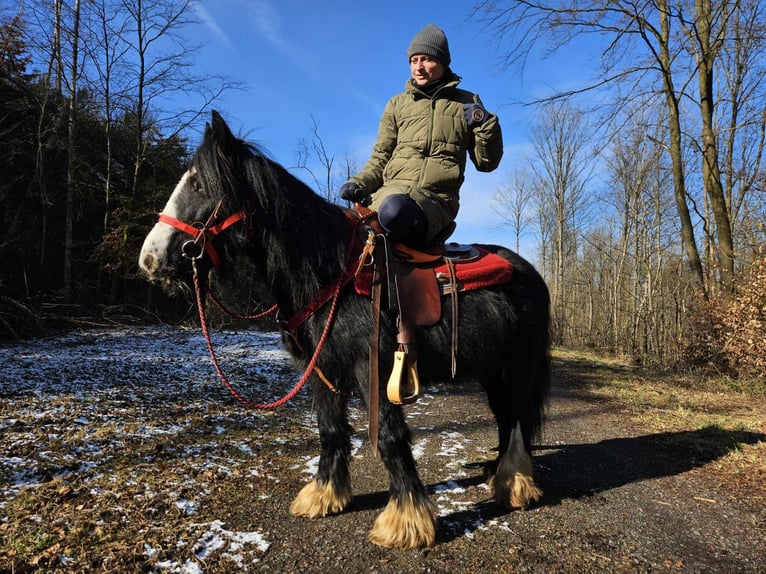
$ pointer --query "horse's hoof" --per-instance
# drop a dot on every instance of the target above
(406, 524)
(512, 483)
(516, 491)
(316, 500)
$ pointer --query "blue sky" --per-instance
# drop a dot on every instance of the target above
(338, 62)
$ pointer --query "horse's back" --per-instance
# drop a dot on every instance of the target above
(525, 275)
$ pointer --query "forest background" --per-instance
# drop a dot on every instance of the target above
(664, 264)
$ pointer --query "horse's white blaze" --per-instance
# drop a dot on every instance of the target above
(154, 251)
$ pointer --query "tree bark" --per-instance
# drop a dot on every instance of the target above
(71, 155)
(711, 173)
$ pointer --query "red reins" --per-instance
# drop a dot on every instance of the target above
(222, 375)
(200, 234)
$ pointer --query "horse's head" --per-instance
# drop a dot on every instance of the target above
(203, 208)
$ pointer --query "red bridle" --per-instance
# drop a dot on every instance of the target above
(203, 233)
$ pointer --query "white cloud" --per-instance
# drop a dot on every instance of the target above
(269, 23)
(211, 24)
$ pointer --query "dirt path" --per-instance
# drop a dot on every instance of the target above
(639, 475)
(620, 496)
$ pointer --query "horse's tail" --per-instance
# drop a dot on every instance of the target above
(535, 342)
(541, 384)
(513, 482)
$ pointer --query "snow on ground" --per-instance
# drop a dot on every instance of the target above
(70, 405)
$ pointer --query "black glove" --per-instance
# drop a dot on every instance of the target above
(475, 114)
(351, 191)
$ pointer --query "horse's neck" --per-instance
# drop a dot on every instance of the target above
(306, 248)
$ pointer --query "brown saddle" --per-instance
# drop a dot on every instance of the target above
(419, 289)
(420, 282)
(416, 281)
(417, 277)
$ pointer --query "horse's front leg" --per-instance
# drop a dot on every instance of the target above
(409, 519)
(330, 490)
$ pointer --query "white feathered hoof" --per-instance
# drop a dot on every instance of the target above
(513, 484)
(408, 524)
(316, 500)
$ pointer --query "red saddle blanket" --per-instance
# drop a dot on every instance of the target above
(483, 271)
(486, 270)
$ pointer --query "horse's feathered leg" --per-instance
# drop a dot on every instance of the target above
(511, 475)
(409, 519)
(330, 490)
(513, 483)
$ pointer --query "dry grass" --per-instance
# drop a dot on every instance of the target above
(663, 403)
(111, 469)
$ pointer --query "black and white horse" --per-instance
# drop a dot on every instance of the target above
(298, 244)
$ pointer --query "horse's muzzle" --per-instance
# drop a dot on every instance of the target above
(149, 264)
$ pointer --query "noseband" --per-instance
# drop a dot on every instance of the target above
(203, 233)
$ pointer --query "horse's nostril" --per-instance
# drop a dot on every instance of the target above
(149, 263)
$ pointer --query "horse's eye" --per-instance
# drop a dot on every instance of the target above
(194, 183)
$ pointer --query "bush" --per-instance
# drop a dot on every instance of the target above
(728, 336)
(704, 336)
(745, 324)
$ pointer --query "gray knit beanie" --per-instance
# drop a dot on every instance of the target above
(430, 41)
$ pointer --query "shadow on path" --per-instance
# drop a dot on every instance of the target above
(576, 470)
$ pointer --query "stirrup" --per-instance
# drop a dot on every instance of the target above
(403, 384)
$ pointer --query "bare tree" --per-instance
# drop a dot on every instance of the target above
(140, 67)
(129, 57)
(741, 112)
(74, 73)
(638, 200)
(108, 54)
(562, 169)
(160, 66)
(513, 201)
(641, 51)
(317, 151)
(152, 22)
(56, 63)
(706, 33)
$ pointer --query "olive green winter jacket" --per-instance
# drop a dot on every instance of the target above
(421, 151)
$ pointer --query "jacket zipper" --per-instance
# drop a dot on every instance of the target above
(429, 140)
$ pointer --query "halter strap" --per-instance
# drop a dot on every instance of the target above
(200, 232)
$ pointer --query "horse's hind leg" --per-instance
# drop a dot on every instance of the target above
(330, 490)
(513, 483)
(511, 475)
(409, 519)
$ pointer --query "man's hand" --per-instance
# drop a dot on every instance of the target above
(351, 191)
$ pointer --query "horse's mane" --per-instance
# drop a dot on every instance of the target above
(301, 238)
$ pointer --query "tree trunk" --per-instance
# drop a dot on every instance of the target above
(71, 156)
(711, 173)
(676, 155)
(140, 140)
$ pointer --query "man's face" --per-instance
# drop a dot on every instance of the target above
(425, 69)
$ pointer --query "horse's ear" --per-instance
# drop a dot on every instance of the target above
(218, 130)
